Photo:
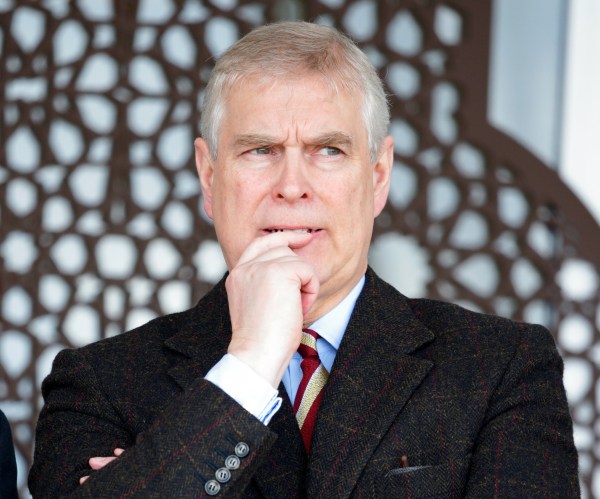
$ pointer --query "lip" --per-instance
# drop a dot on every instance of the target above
(279, 228)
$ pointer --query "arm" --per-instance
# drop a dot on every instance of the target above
(176, 455)
(191, 438)
(525, 447)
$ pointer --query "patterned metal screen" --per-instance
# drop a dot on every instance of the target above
(101, 226)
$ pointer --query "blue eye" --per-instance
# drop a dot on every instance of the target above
(261, 150)
(330, 151)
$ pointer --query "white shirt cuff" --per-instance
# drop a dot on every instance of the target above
(246, 387)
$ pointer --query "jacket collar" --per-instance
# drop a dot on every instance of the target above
(203, 340)
(373, 376)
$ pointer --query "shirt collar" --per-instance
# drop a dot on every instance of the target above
(332, 326)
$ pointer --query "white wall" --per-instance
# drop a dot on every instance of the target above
(580, 153)
(545, 86)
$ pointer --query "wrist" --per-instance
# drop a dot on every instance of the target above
(264, 365)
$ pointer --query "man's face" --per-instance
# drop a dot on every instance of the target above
(293, 155)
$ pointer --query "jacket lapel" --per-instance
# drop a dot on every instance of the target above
(371, 380)
(204, 340)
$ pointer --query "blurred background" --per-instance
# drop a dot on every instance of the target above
(495, 196)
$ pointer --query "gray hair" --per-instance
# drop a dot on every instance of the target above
(292, 49)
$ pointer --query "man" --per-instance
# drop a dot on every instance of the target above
(8, 466)
(421, 399)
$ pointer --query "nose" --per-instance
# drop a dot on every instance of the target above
(292, 183)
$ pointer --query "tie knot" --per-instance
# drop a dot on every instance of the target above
(308, 344)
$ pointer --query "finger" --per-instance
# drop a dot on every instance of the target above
(118, 451)
(83, 479)
(262, 244)
(97, 463)
(300, 271)
(309, 291)
(279, 253)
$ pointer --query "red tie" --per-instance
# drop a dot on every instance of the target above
(310, 391)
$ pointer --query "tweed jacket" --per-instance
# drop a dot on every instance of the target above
(475, 403)
(8, 466)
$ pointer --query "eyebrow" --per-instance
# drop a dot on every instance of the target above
(251, 139)
(332, 138)
(326, 139)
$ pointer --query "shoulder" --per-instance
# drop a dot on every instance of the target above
(149, 339)
(145, 352)
(448, 318)
(103, 364)
(460, 333)
(143, 339)
(488, 343)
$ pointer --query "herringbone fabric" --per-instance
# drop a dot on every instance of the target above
(310, 390)
(476, 403)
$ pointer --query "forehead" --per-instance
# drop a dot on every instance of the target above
(303, 100)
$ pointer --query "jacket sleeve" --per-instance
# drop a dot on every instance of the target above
(186, 447)
(8, 466)
(525, 447)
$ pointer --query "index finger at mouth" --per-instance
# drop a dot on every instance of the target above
(270, 241)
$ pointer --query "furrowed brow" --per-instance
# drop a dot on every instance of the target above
(253, 140)
(332, 139)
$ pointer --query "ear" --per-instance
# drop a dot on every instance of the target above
(205, 169)
(382, 173)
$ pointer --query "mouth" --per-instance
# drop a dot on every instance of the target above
(307, 230)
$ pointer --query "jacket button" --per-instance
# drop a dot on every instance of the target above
(212, 487)
(242, 449)
(223, 475)
(232, 462)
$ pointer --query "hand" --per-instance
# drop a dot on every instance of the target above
(97, 463)
(270, 291)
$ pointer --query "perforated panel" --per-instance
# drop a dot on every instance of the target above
(101, 226)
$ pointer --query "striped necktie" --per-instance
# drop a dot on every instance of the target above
(310, 391)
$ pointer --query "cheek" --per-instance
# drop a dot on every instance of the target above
(248, 186)
(361, 195)
(349, 196)
(228, 193)
(239, 204)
